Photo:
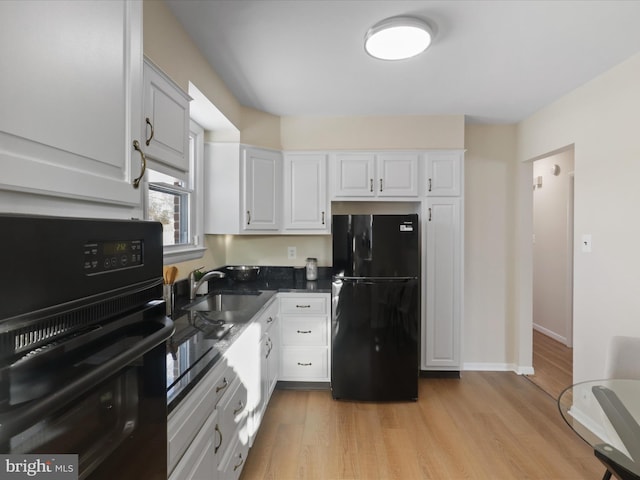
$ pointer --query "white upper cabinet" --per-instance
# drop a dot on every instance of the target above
(305, 193)
(397, 175)
(375, 175)
(353, 175)
(263, 187)
(243, 188)
(444, 173)
(165, 119)
(71, 99)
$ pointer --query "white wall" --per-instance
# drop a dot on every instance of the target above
(552, 246)
(601, 120)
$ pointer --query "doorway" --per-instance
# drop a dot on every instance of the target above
(553, 192)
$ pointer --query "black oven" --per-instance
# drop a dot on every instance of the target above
(82, 344)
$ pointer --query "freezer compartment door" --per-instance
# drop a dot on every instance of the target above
(376, 245)
(375, 332)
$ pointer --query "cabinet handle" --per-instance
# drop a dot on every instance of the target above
(304, 331)
(380, 184)
(239, 409)
(143, 160)
(215, 450)
(270, 319)
(323, 218)
(429, 213)
(304, 364)
(429, 184)
(235, 467)
(148, 141)
(303, 306)
(248, 217)
(371, 184)
(223, 386)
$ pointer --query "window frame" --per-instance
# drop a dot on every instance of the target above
(195, 248)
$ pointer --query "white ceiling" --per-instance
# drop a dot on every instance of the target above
(494, 61)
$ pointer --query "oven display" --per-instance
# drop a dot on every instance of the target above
(102, 257)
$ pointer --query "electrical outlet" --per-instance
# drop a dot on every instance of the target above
(291, 253)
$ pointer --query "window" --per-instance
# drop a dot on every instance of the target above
(174, 199)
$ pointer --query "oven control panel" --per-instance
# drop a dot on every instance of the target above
(109, 256)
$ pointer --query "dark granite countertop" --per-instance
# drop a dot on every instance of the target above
(193, 349)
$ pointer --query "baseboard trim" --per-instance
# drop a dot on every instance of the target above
(498, 367)
(440, 373)
(551, 334)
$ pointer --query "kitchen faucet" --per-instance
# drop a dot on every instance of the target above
(194, 286)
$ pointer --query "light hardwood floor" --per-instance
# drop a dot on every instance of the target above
(552, 364)
(486, 425)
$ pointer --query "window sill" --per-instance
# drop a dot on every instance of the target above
(175, 255)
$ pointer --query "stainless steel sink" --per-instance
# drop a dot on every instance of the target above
(231, 307)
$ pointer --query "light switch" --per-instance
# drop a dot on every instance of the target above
(586, 243)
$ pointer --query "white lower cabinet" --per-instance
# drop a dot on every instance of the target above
(199, 461)
(192, 426)
(305, 337)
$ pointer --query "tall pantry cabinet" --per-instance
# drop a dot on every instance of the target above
(442, 219)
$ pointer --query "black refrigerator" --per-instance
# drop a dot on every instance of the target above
(375, 310)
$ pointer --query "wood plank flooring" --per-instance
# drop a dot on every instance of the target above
(552, 364)
(486, 425)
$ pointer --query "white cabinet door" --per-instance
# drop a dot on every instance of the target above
(397, 175)
(375, 175)
(443, 283)
(166, 119)
(354, 175)
(199, 461)
(262, 192)
(444, 173)
(305, 187)
(71, 99)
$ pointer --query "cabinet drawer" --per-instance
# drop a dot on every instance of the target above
(185, 422)
(304, 331)
(305, 363)
(268, 317)
(233, 462)
(232, 412)
(303, 305)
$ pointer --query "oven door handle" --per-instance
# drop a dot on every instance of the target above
(15, 421)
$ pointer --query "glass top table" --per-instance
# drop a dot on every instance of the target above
(606, 414)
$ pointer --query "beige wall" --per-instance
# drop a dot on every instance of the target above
(488, 328)
(384, 132)
(601, 120)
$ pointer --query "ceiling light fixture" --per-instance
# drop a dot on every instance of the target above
(397, 38)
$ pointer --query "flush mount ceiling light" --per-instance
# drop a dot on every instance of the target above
(397, 38)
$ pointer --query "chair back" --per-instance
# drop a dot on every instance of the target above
(623, 358)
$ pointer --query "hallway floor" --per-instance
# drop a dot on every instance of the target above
(552, 363)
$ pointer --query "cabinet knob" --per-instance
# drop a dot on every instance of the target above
(143, 162)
